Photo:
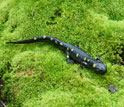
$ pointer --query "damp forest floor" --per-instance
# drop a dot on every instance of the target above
(37, 75)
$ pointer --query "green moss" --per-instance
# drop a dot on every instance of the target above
(66, 99)
(38, 74)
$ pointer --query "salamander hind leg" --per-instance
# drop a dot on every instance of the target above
(81, 66)
(84, 64)
(77, 46)
(69, 60)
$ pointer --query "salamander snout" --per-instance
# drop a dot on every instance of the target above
(101, 68)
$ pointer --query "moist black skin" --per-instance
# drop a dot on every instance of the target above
(74, 53)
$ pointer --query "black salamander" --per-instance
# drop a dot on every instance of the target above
(74, 53)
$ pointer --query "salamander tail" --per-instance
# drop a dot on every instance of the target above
(36, 39)
(32, 40)
(10, 42)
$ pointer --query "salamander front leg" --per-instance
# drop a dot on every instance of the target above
(77, 46)
(83, 64)
(69, 60)
(98, 59)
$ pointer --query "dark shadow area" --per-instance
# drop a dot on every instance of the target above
(122, 56)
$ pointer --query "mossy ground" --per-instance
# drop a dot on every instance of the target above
(96, 25)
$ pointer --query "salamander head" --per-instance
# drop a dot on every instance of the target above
(100, 68)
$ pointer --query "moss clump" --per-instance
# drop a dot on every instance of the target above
(66, 99)
(40, 71)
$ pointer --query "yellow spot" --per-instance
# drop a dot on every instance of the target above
(85, 63)
(56, 42)
(35, 38)
(44, 37)
(72, 49)
(51, 39)
(77, 55)
(85, 59)
(67, 56)
(94, 65)
(67, 49)
(88, 60)
(61, 44)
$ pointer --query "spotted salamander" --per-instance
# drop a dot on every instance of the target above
(74, 53)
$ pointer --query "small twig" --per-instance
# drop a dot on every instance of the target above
(2, 103)
(103, 53)
(78, 17)
(32, 11)
(90, 82)
(42, 75)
